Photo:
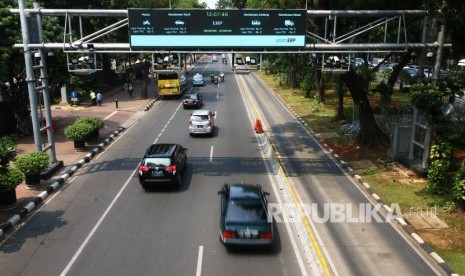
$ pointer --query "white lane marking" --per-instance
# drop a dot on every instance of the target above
(272, 179)
(92, 232)
(167, 123)
(211, 153)
(113, 113)
(97, 225)
(199, 261)
(217, 95)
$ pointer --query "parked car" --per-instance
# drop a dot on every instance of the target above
(244, 216)
(356, 62)
(198, 80)
(201, 122)
(162, 164)
(192, 100)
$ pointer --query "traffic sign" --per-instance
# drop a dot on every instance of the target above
(216, 29)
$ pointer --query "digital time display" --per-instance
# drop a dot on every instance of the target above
(216, 29)
(217, 14)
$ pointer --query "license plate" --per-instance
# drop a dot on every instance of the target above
(248, 234)
(157, 173)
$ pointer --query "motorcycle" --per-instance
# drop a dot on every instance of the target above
(222, 76)
(215, 80)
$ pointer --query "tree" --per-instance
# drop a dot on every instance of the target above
(224, 4)
(370, 134)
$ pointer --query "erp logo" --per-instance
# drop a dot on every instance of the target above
(285, 40)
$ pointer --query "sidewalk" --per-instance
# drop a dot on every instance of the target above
(65, 115)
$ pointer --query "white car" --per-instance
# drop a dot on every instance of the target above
(202, 121)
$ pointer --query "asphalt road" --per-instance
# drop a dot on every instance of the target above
(103, 223)
(369, 246)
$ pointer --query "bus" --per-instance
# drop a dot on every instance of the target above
(171, 82)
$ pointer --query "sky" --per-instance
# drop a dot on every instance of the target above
(210, 3)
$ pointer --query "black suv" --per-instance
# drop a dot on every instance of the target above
(162, 163)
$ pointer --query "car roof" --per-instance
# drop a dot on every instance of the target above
(200, 112)
(160, 150)
(244, 192)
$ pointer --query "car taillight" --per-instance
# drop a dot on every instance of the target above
(143, 169)
(209, 122)
(190, 122)
(266, 235)
(228, 234)
(171, 168)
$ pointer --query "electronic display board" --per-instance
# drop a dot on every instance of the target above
(216, 29)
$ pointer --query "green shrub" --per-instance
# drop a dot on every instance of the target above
(10, 178)
(458, 188)
(438, 171)
(79, 132)
(7, 151)
(96, 122)
(32, 162)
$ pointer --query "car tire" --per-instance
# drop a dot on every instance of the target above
(178, 180)
(144, 186)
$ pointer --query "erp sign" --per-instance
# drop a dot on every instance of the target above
(208, 29)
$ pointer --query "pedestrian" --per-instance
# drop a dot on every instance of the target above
(93, 98)
(130, 90)
(99, 99)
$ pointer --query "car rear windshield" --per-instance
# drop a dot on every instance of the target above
(199, 118)
(167, 75)
(246, 212)
(154, 162)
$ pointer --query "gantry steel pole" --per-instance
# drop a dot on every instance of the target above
(30, 79)
(45, 92)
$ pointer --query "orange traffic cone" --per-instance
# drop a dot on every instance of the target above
(258, 127)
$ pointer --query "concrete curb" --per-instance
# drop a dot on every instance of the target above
(366, 187)
(55, 185)
(150, 104)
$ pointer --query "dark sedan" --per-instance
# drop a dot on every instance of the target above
(193, 100)
(244, 216)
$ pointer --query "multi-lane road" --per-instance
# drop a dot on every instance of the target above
(103, 223)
